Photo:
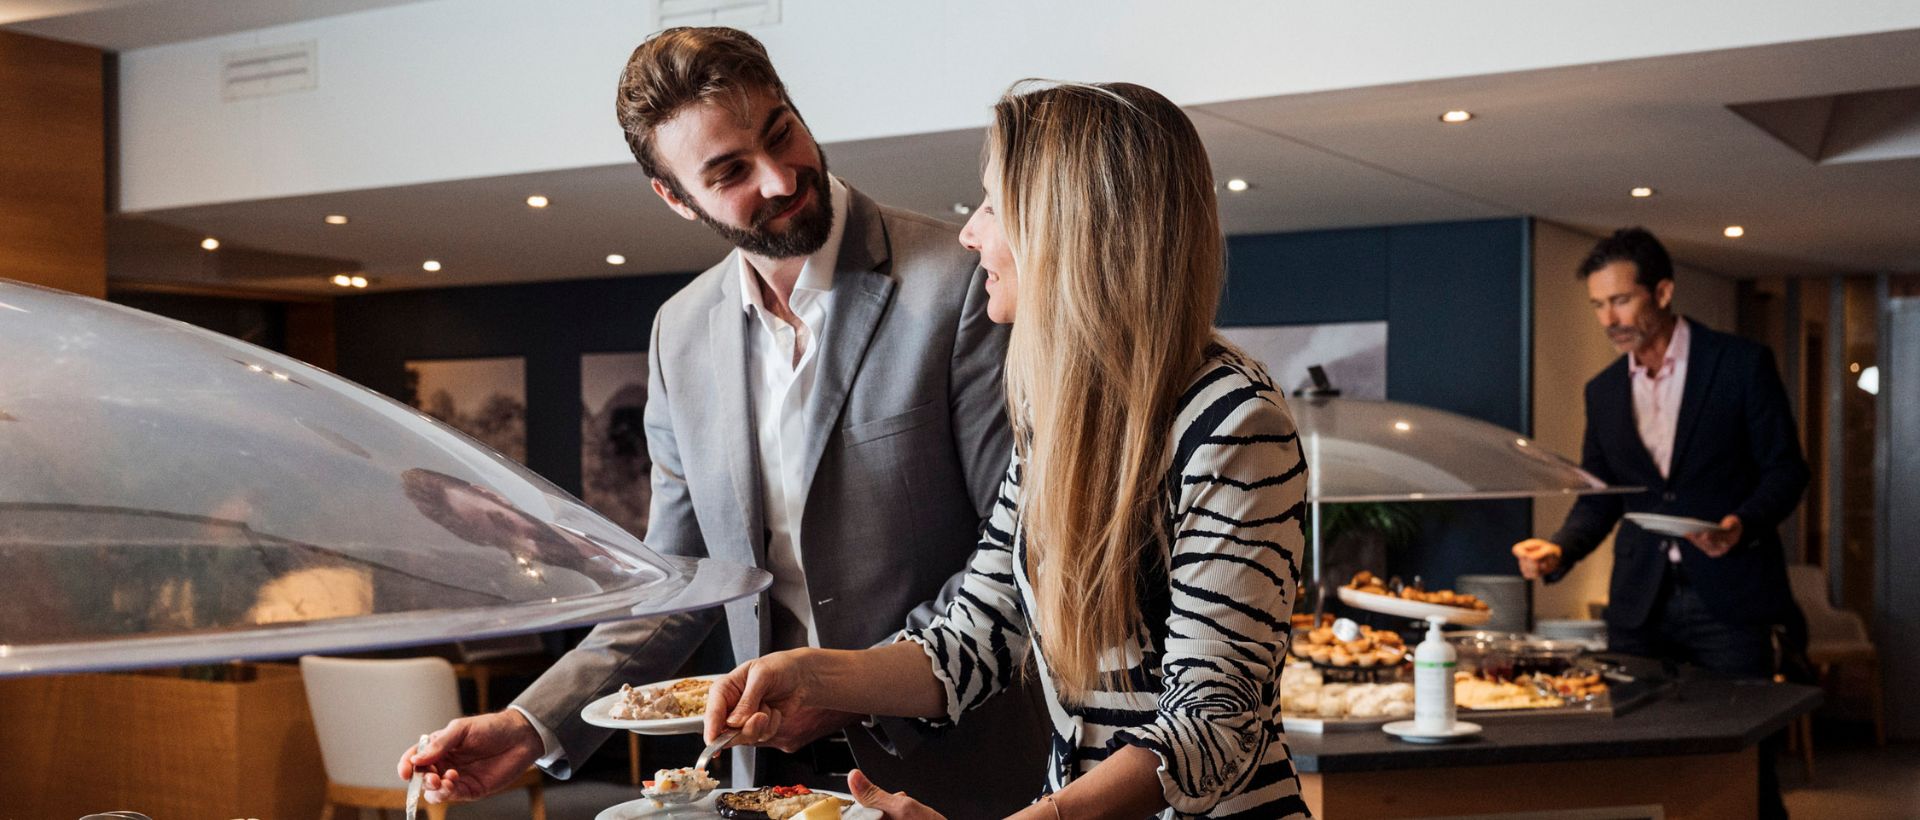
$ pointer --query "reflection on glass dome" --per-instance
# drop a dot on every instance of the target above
(177, 496)
(1390, 451)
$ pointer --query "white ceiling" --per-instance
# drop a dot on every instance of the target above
(1562, 144)
(121, 25)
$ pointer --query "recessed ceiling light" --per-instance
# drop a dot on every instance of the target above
(1237, 185)
(616, 259)
(430, 265)
(358, 281)
(210, 243)
(1734, 232)
(1456, 116)
(336, 219)
(536, 201)
(1641, 192)
(962, 208)
(343, 280)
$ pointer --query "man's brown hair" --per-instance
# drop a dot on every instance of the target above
(683, 66)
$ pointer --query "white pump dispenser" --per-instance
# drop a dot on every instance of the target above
(1433, 664)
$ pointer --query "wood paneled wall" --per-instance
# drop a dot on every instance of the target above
(53, 171)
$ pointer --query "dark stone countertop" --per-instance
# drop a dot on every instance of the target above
(1700, 714)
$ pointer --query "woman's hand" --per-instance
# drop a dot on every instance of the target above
(894, 805)
(758, 696)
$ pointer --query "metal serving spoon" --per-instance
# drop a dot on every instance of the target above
(681, 798)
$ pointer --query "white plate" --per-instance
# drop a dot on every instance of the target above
(1389, 605)
(644, 808)
(1404, 729)
(600, 713)
(1676, 525)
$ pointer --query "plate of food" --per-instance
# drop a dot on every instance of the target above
(1366, 591)
(768, 803)
(1537, 691)
(675, 707)
(1675, 525)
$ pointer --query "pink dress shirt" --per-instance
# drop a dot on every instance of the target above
(1656, 404)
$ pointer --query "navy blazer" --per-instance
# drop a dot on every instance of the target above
(1735, 450)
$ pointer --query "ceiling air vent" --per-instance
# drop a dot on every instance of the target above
(736, 13)
(265, 72)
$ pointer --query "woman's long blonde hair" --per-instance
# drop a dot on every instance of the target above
(1107, 203)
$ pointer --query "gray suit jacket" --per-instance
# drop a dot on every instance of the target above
(909, 440)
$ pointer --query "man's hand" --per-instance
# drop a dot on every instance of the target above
(893, 805)
(474, 756)
(1538, 557)
(1716, 543)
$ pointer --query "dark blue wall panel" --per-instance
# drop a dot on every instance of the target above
(549, 323)
(1456, 298)
(1306, 278)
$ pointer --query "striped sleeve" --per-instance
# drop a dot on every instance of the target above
(1236, 520)
(979, 642)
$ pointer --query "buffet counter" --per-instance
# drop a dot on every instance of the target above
(1689, 750)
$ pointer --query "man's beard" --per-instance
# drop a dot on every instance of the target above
(806, 233)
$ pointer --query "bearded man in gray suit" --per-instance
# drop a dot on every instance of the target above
(826, 403)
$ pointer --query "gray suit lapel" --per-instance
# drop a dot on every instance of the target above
(733, 408)
(860, 294)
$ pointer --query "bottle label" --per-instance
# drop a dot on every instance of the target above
(1433, 706)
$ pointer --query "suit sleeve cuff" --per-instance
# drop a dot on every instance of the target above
(553, 758)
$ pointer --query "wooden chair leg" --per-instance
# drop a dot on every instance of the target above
(536, 797)
(482, 686)
(326, 811)
(1806, 744)
(633, 758)
(1879, 708)
(435, 811)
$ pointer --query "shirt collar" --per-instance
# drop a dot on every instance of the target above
(1677, 348)
(817, 275)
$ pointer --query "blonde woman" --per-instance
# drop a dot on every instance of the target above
(1144, 552)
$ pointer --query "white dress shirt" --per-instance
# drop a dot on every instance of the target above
(782, 362)
(1656, 404)
(782, 366)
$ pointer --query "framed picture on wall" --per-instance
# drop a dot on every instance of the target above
(484, 398)
(615, 471)
(1354, 354)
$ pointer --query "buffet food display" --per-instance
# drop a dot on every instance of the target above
(1346, 676)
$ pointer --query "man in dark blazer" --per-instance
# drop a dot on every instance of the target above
(1699, 418)
(1725, 451)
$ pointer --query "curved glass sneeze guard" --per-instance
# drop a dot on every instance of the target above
(1389, 451)
(169, 495)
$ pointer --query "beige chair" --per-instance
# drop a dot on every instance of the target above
(367, 712)
(1834, 637)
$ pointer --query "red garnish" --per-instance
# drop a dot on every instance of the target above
(790, 791)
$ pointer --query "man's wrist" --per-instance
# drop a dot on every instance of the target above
(533, 736)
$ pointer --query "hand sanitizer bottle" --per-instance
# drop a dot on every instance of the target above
(1433, 664)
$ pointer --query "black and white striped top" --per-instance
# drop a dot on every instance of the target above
(1205, 668)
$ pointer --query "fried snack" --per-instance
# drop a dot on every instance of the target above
(1374, 647)
(1473, 692)
(1364, 581)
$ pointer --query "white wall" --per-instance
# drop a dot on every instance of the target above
(456, 89)
(1568, 350)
